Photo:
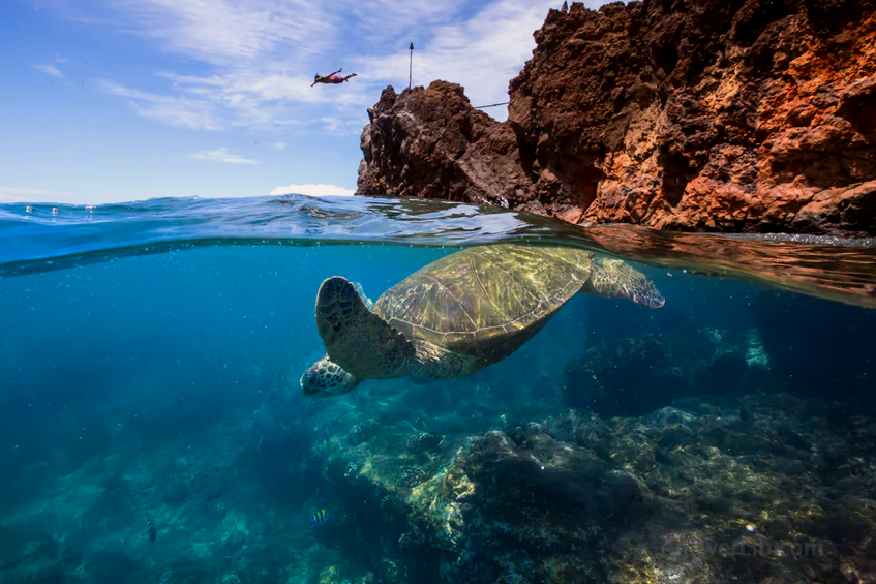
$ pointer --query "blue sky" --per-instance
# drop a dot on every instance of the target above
(115, 100)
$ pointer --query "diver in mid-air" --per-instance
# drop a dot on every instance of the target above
(331, 78)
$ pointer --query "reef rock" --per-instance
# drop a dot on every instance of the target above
(752, 115)
(698, 494)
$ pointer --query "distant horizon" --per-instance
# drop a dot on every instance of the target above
(108, 103)
(20, 196)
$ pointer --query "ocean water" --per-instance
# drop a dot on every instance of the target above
(153, 428)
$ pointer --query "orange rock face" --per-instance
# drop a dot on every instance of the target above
(706, 115)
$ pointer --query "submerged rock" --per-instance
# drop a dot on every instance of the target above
(687, 115)
(362, 432)
(422, 442)
(232, 542)
(694, 492)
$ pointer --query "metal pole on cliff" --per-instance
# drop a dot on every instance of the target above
(411, 80)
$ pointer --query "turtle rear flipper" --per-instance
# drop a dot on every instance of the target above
(614, 278)
(355, 338)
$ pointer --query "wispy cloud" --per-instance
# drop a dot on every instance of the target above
(223, 155)
(182, 112)
(278, 145)
(226, 30)
(312, 191)
(19, 194)
(251, 97)
(48, 70)
(482, 53)
(261, 55)
(258, 57)
(257, 52)
(341, 127)
(388, 18)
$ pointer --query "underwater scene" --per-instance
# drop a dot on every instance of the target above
(346, 390)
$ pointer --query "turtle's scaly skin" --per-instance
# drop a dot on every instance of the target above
(460, 313)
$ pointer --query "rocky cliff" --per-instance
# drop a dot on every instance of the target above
(719, 115)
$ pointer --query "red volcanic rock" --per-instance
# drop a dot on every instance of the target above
(730, 115)
(433, 143)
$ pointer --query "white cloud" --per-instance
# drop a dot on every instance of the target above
(182, 112)
(258, 57)
(252, 98)
(244, 98)
(179, 113)
(482, 53)
(261, 53)
(223, 155)
(257, 51)
(339, 127)
(48, 70)
(25, 195)
(223, 31)
(381, 18)
(312, 190)
(278, 145)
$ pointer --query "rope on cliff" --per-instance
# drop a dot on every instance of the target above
(493, 104)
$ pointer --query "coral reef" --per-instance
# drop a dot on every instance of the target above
(747, 116)
(714, 490)
(722, 489)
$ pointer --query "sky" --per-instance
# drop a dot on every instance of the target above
(118, 100)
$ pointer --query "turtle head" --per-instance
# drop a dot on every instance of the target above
(326, 379)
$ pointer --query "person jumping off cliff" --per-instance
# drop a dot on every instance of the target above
(331, 78)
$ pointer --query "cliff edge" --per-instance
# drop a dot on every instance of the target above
(730, 115)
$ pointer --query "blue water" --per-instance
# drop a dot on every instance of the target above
(149, 362)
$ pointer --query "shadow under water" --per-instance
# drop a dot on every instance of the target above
(153, 427)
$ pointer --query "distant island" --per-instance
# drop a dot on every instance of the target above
(695, 115)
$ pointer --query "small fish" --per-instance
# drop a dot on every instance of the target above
(319, 518)
(150, 528)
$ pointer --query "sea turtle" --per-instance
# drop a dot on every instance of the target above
(458, 314)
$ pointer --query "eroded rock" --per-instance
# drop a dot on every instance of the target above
(747, 116)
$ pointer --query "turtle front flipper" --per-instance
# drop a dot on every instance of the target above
(614, 278)
(357, 340)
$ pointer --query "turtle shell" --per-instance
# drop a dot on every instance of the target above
(485, 301)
